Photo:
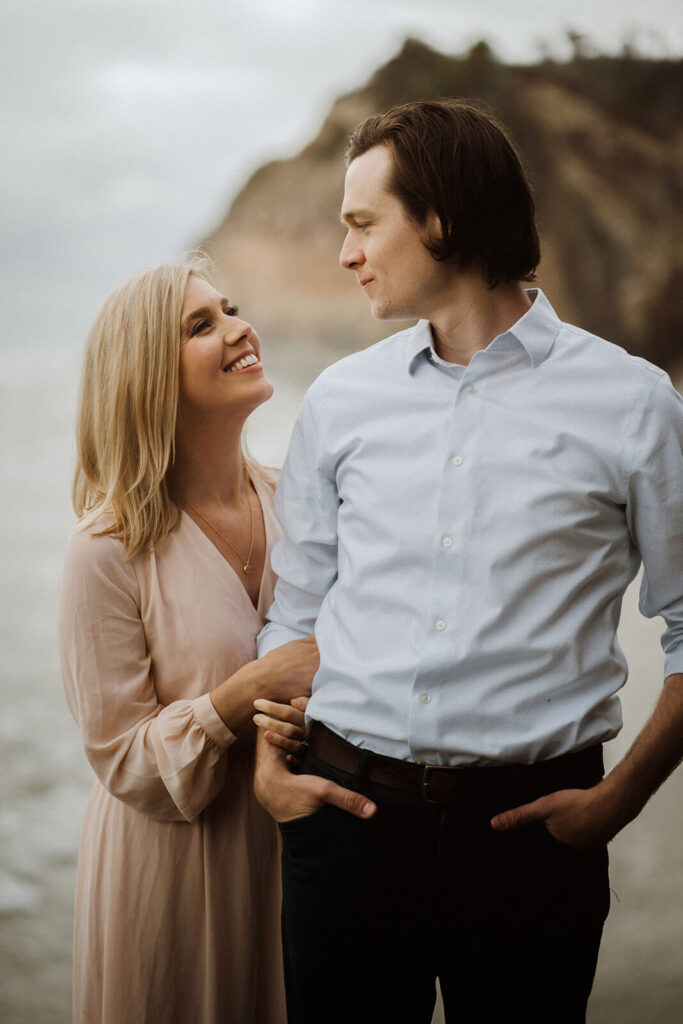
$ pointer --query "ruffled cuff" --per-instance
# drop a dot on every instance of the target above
(212, 723)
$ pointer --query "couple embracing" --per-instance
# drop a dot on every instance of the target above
(460, 511)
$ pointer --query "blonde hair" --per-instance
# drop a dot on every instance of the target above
(127, 409)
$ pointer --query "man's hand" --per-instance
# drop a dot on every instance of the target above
(589, 818)
(287, 797)
(583, 818)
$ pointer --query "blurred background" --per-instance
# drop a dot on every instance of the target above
(134, 131)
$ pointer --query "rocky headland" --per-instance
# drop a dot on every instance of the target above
(602, 139)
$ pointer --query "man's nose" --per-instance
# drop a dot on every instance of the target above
(351, 255)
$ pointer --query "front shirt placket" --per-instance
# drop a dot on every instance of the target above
(449, 557)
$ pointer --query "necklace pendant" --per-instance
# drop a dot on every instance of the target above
(246, 569)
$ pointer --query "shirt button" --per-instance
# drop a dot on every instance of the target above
(470, 389)
(456, 460)
(447, 542)
(425, 698)
(440, 624)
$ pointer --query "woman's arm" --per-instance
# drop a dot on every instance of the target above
(167, 762)
(278, 677)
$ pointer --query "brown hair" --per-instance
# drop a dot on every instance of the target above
(456, 160)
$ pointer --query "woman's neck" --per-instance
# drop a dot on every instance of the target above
(208, 468)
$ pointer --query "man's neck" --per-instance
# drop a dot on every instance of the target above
(475, 317)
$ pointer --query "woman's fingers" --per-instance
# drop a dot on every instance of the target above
(284, 724)
(286, 729)
(280, 712)
(294, 748)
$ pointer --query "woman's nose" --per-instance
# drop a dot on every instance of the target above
(237, 330)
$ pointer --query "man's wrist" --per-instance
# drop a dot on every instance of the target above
(619, 801)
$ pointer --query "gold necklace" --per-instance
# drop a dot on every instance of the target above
(246, 566)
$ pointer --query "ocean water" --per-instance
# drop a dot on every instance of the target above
(45, 778)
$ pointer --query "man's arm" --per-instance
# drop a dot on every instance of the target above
(305, 560)
(588, 818)
(307, 504)
(653, 491)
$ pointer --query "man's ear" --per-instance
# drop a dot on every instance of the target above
(432, 227)
(432, 232)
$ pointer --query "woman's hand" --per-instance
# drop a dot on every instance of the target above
(280, 676)
(287, 672)
(283, 724)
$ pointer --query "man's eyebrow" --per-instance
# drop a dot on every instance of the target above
(353, 216)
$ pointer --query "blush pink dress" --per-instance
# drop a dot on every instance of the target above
(178, 890)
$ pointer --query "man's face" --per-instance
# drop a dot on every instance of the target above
(385, 248)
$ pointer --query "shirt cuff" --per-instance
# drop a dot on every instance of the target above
(273, 636)
(673, 662)
(212, 723)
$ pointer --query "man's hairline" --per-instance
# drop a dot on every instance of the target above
(346, 218)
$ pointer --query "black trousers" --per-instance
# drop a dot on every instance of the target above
(374, 911)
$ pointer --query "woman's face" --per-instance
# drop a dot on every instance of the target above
(220, 355)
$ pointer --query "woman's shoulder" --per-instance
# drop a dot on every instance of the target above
(270, 476)
(92, 550)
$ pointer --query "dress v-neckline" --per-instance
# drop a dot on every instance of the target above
(226, 563)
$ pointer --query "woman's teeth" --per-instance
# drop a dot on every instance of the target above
(241, 363)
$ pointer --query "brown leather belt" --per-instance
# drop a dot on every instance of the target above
(443, 784)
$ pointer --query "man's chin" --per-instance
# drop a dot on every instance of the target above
(379, 312)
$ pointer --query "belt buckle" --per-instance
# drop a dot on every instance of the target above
(427, 772)
(450, 773)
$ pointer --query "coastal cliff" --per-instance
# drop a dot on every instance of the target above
(602, 140)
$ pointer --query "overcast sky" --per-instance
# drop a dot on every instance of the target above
(128, 125)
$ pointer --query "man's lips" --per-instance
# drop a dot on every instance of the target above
(364, 282)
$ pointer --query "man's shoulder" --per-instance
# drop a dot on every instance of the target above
(600, 355)
(383, 355)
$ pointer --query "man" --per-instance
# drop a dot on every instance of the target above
(464, 505)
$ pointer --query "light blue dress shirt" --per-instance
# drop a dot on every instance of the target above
(460, 539)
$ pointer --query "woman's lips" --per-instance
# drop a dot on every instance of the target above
(253, 368)
(250, 360)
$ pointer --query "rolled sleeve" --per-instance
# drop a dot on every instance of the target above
(655, 512)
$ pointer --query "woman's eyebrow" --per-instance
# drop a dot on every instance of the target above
(204, 311)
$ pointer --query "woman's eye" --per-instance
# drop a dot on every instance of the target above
(232, 310)
(200, 326)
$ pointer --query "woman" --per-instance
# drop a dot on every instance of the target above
(164, 590)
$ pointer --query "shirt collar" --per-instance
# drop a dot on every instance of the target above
(535, 332)
(537, 329)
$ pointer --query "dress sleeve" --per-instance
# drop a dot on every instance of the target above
(305, 558)
(166, 762)
(655, 513)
